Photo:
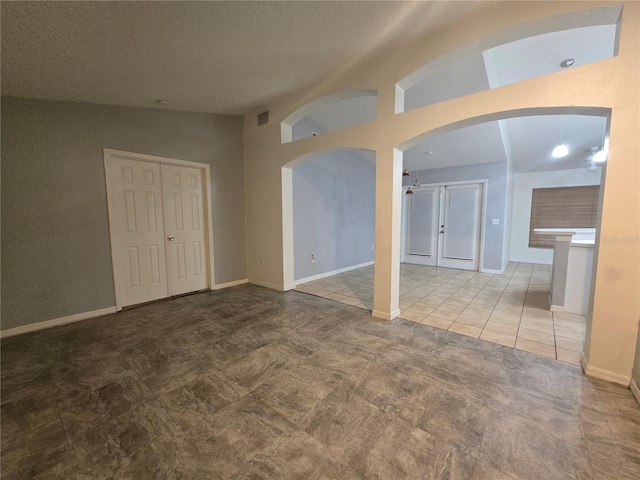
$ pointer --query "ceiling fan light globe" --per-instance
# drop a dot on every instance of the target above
(600, 156)
(560, 151)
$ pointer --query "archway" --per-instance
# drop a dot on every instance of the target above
(332, 112)
(328, 213)
(499, 219)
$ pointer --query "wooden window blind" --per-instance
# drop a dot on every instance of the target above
(562, 207)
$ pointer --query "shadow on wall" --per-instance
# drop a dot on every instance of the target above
(326, 114)
(333, 212)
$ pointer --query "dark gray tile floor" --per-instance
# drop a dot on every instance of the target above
(248, 383)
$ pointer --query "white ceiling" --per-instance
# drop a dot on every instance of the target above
(526, 142)
(541, 54)
(217, 57)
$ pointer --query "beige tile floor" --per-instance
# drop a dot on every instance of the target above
(510, 309)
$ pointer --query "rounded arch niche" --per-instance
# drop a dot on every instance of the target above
(527, 51)
(328, 206)
(332, 112)
(503, 115)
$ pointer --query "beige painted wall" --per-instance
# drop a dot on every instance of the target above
(608, 84)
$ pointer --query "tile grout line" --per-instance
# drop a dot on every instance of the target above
(443, 278)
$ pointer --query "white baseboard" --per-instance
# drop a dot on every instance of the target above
(384, 315)
(635, 390)
(34, 327)
(583, 363)
(235, 283)
(505, 264)
(602, 374)
(332, 272)
(528, 260)
(271, 286)
(490, 270)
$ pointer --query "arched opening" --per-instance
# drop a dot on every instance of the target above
(329, 222)
(510, 153)
(326, 114)
(528, 51)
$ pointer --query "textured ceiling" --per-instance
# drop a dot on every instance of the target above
(232, 57)
(218, 57)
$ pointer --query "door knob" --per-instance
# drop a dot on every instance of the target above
(170, 238)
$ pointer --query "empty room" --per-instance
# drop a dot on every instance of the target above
(326, 240)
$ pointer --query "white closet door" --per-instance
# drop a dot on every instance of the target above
(184, 229)
(461, 219)
(134, 194)
(422, 225)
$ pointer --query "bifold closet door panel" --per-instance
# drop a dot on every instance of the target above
(185, 229)
(134, 194)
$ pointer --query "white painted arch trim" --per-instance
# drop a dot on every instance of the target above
(206, 171)
(286, 127)
(56, 322)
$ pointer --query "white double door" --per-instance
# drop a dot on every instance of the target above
(157, 226)
(443, 225)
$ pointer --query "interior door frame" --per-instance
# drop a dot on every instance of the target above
(483, 207)
(109, 153)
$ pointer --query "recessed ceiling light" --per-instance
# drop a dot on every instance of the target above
(162, 103)
(567, 63)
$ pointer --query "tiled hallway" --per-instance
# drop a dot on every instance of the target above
(510, 309)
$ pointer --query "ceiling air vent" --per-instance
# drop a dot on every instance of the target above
(263, 118)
